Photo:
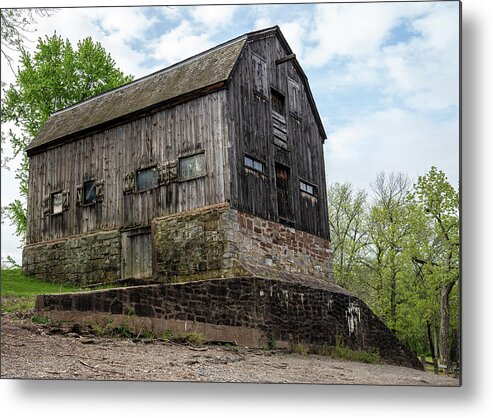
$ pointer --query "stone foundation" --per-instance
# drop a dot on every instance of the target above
(79, 260)
(206, 243)
(252, 311)
(221, 242)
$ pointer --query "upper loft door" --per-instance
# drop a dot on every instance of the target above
(284, 197)
(137, 254)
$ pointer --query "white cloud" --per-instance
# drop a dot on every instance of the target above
(214, 17)
(355, 30)
(391, 140)
(180, 43)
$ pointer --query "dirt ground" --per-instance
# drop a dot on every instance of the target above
(66, 351)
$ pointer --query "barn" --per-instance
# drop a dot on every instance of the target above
(208, 168)
(203, 186)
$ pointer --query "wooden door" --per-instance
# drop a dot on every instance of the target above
(137, 254)
(284, 197)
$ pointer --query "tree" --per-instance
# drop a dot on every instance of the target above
(387, 228)
(55, 76)
(15, 23)
(349, 235)
(437, 254)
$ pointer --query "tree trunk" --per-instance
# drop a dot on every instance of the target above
(444, 322)
(430, 339)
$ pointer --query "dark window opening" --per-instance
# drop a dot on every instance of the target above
(254, 164)
(146, 179)
(278, 102)
(57, 203)
(192, 166)
(89, 192)
(308, 188)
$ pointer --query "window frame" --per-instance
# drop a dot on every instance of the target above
(309, 184)
(197, 176)
(140, 170)
(84, 203)
(252, 167)
(52, 206)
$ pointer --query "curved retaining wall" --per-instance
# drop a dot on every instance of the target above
(252, 310)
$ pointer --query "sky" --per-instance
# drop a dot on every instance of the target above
(385, 76)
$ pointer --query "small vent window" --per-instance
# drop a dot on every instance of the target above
(57, 203)
(146, 179)
(89, 192)
(192, 167)
(308, 188)
(254, 164)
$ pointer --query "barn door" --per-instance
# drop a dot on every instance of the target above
(284, 198)
(137, 253)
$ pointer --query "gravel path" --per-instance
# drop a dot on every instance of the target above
(35, 351)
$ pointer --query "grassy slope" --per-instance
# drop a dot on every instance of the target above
(19, 291)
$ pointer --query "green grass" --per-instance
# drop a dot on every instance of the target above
(19, 291)
(343, 352)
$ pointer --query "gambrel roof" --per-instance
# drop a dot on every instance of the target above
(195, 76)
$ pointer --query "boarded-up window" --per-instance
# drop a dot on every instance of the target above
(89, 192)
(254, 164)
(294, 96)
(192, 166)
(259, 75)
(146, 179)
(57, 203)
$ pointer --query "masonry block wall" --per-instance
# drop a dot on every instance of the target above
(79, 260)
(222, 242)
(274, 309)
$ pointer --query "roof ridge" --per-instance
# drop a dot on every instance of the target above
(155, 73)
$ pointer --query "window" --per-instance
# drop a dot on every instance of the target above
(278, 101)
(146, 179)
(308, 188)
(57, 203)
(254, 164)
(192, 166)
(89, 192)
(259, 75)
(294, 97)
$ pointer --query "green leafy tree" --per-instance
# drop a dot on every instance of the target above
(437, 252)
(387, 227)
(55, 76)
(349, 235)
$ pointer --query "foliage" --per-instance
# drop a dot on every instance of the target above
(401, 255)
(55, 76)
(343, 352)
(36, 319)
(298, 348)
(15, 24)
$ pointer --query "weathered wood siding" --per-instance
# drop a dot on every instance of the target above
(110, 154)
(252, 134)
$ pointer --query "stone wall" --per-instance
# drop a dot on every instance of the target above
(218, 241)
(256, 310)
(79, 260)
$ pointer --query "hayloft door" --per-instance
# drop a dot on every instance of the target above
(284, 198)
(137, 254)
